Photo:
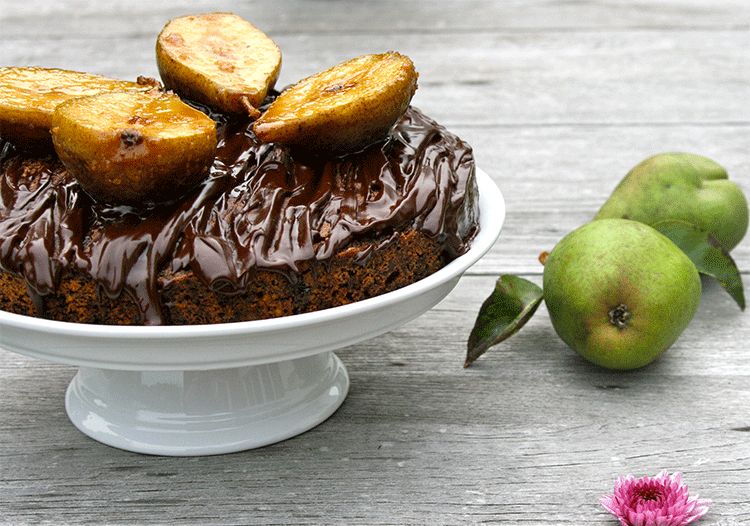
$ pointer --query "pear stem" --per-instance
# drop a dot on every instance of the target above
(619, 316)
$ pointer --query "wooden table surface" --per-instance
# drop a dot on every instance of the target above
(559, 101)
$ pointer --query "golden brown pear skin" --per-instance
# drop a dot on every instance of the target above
(218, 59)
(344, 108)
(29, 96)
(134, 148)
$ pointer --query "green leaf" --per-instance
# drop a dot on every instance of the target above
(509, 307)
(709, 257)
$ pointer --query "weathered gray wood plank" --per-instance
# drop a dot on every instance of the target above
(106, 19)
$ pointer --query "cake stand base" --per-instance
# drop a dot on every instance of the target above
(206, 412)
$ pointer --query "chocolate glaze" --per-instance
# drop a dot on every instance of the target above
(262, 206)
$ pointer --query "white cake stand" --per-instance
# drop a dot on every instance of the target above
(211, 389)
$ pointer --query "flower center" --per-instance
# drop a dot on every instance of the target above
(649, 494)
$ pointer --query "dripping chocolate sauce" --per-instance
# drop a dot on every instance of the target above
(261, 206)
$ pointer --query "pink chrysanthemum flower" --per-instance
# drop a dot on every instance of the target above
(662, 500)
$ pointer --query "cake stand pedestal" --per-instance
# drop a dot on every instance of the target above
(206, 412)
(211, 389)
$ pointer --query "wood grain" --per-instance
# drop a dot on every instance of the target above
(559, 101)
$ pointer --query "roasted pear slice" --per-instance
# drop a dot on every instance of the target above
(218, 59)
(133, 147)
(29, 95)
(344, 108)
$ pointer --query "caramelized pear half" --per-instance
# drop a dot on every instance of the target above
(133, 147)
(344, 108)
(218, 59)
(28, 97)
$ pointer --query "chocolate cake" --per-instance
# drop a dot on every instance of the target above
(271, 232)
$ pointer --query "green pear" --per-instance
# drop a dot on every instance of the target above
(619, 293)
(685, 187)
